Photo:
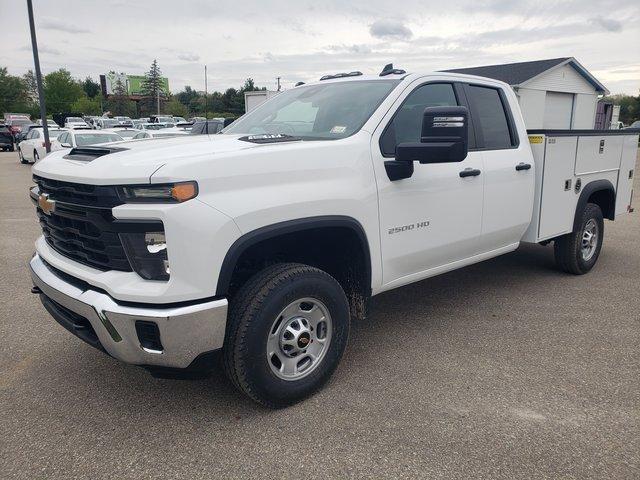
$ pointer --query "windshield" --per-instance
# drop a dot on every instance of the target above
(55, 133)
(110, 123)
(329, 111)
(74, 119)
(84, 139)
(127, 133)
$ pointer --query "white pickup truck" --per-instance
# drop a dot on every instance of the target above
(263, 242)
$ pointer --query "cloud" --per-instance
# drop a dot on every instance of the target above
(608, 24)
(189, 57)
(42, 49)
(387, 28)
(61, 26)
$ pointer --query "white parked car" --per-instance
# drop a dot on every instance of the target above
(33, 147)
(124, 120)
(102, 123)
(165, 132)
(75, 122)
(82, 138)
(263, 242)
(154, 126)
(124, 132)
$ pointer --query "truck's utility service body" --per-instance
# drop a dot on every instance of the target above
(440, 217)
(564, 157)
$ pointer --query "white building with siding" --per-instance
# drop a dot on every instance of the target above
(557, 93)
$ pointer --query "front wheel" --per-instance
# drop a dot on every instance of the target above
(21, 157)
(578, 252)
(287, 330)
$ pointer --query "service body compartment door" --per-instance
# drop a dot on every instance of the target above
(558, 202)
(598, 154)
(624, 189)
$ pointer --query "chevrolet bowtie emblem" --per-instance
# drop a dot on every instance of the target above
(46, 205)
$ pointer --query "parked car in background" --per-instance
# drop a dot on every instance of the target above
(82, 138)
(162, 119)
(197, 119)
(21, 135)
(102, 123)
(75, 122)
(179, 120)
(154, 126)
(634, 125)
(210, 126)
(33, 147)
(6, 139)
(165, 132)
(15, 124)
(124, 132)
(122, 120)
(50, 123)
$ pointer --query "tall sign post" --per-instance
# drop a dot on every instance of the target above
(36, 61)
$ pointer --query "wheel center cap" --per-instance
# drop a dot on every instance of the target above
(303, 340)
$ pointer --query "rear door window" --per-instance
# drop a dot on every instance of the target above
(490, 117)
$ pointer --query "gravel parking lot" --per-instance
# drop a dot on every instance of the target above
(506, 369)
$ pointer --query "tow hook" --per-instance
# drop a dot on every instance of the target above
(36, 290)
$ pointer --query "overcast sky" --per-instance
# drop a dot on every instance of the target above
(302, 40)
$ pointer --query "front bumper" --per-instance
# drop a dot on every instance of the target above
(186, 330)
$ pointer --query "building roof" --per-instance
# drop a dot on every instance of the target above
(516, 74)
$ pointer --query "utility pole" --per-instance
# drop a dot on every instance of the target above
(158, 99)
(278, 80)
(36, 61)
(206, 101)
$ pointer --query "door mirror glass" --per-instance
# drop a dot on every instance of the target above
(444, 137)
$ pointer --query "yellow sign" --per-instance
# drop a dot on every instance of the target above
(536, 138)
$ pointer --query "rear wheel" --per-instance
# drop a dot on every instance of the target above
(288, 327)
(578, 252)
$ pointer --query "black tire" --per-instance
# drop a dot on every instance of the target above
(252, 313)
(568, 248)
(21, 157)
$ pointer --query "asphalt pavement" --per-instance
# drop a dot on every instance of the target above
(505, 369)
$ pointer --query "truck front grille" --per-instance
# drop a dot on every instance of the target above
(77, 193)
(82, 227)
(85, 235)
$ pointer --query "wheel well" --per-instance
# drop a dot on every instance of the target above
(338, 250)
(606, 200)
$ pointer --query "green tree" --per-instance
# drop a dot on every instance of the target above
(90, 87)
(14, 95)
(152, 89)
(88, 106)
(119, 102)
(629, 107)
(31, 84)
(61, 91)
(177, 108)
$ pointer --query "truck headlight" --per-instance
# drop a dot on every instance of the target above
(162, 193)
(147, 254)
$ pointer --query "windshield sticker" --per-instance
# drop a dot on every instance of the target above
(338, 129)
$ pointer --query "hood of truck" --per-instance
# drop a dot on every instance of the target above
(137, 160)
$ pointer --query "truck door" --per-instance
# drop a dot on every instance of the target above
(508, 167)
(433, 218)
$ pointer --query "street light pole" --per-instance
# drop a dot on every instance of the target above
(36, 61)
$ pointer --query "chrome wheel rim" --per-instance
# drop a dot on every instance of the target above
(299, 339)
(589, 242)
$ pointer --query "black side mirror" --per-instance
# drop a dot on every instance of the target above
(445, 131)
